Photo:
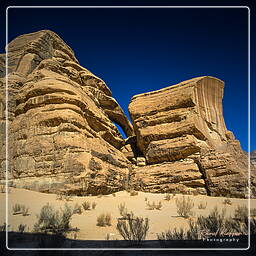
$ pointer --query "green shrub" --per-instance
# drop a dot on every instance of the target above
(86, 205)
(134, 229)
(104, 220)
(54, 221)
(184, 206)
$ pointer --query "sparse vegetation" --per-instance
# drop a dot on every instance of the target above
(253, 212)
(3, 227)
(168, 197)
(16, 209)
(134, 229)
(154, 206)
(113, 194)
(24, 210)
(146, 199)
(21, 228)
(51, 221)
(184, 206)
(123, 210)
(227, 201)
(77, 209)
(94, 205)
(133, 193)
(86, 205)
(202, 205)
(104, 220)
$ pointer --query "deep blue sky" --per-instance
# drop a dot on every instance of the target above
(140, 50)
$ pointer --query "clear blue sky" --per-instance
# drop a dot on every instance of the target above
(140, 50)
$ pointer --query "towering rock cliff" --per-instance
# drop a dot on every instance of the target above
(182, 126)
(62, 136)
(60, 120)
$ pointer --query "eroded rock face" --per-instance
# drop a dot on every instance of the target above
(184, 122)
(61, 116)
(62, 137)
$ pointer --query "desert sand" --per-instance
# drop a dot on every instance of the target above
(159, 220)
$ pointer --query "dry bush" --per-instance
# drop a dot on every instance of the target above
(94, 205)
(227, 201)
(168, 197)
(192, 233)
(123, 210)
(16, 209)
(86, 205)
(184, 206)
(134, 229)
(77, 209)
(54, 221)
(21, 228)
(253, 212)
(133, 193)
(113, 194)
(104, 220)
(158, 206)
(24, 210)
(215, 223)
(202, 205)
(146, 199)
(151, 206)
(4, 227)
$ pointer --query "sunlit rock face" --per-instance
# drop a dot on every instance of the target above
(60, 119)
(62, 134)
(184, 124)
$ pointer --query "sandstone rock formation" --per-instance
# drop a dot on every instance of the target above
(62, 133)
(61, 120)
(184, 124)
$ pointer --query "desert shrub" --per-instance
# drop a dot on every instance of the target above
(151, 206)
(77, 209)
(202, 205)
(253, 212)
(86, 205)
(21, 228)
(2, 188)
(184, 206)
(99, 196)
(215, 223)
(133, 193)
(20, 209)
(94, 205)
(146, 199)
(113, 194)
(59, 196)
(227, 201)
(107, 236)
(54, 221)
(192, 233)
(158, 206)
(134, 229)
(4, 227)
(241, 212)
(168, 197)
(104, 220)
(24, 210)
(123, 210)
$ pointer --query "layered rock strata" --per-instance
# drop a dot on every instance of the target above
(61, 118)
(184, 123)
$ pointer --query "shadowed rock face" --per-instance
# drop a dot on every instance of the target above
(61, 119)
(184, 123)
(62, 134)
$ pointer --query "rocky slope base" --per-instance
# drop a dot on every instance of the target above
(62, 134)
